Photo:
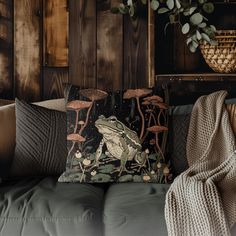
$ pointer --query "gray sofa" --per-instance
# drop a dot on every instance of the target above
(42, 206)
(37, 207)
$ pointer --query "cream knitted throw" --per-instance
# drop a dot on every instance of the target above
(202, 200)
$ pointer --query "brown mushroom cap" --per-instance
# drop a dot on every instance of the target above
(94, 94)
(161, 105)
(136, 93)
(154, 98)
(78, 104)
(146, 103)
(75, 138)
(166, 171)
(157, 129)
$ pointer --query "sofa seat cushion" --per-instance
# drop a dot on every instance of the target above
(135, 209)
(45, 207)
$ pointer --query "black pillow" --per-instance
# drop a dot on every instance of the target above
(116, 136)
(40, 141)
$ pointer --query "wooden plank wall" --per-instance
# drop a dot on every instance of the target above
(6, 26)
(109, 46)
(82, 41)
(55, 47)
(55, 33)
(135, 50)
(27, 49)
(76, 41)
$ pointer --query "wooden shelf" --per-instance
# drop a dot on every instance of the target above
(196, 77)
(186, 75)
(186, 88)
(224, 3)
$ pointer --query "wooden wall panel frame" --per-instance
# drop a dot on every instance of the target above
(55, 33)
(109, 46)
(135, 50)
(82, 41)
(151, 46)
(106, 51)
(54, 82)
(27, 49)
(6, 41)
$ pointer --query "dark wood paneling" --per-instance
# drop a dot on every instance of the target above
(163, 46)
(6, 13)
(151, 46)
(109, 46)
(56, 17)
(82, 38)
(172, 54)
(27, 48)
(107, 51)
(184, 61)
(188, 91)
(135, 50)
(54, 80)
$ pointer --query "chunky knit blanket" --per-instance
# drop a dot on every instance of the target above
(202, 200)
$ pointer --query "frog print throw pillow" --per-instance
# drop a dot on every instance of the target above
(116, 136)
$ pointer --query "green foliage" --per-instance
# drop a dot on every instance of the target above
(106, 169)
(137, 178)
(101, 178)
(152, 157)
(126, 178)
(191, 15)
(185, 28)
(155, 4)
(196, 19)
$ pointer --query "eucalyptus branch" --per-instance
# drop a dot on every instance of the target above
(191, 15)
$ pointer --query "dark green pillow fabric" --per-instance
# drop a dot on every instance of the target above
(116, 136)
(179, 120)
(179, 125)
(40, 141)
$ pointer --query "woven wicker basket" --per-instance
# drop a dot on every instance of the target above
(221, 58)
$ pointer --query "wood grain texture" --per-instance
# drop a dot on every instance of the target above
(151, 46)
(163, 46)
(6, 35)
(135, 50)
(56, 17)
(185, 61)
(27, 48)
(82, 41)
(188, 90)
(54, 80)
(109, 46)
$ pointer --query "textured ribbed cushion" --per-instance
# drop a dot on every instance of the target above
(40, 141)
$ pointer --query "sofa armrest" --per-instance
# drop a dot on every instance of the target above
(7, 136)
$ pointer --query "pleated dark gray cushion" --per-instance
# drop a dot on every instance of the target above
(40, 141)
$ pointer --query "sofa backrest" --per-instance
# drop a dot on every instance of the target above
(8, 126)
